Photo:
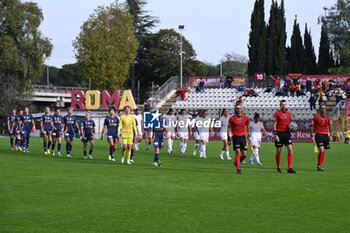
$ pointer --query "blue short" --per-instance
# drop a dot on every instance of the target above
(12, 133)
(56, 134)
(69, 136)
(26, 133)
(87, 138)
(47, 132)
(158, 141)
(114, 137)
(18, 133)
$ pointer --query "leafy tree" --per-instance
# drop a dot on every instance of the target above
(276, 40)
(296, 51)
(23, 50)
(325, 55)
(310, 66)
(257, 39)
(106, 47)
(234, 64)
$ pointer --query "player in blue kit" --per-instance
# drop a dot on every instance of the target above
(12, 126)
(28, 125)
(158, 141)
(70, 122)
(88, 131)
(46, 129)
(111, 124)
(18, 131)
(57, 132)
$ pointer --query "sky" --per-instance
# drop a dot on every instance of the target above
(213, 27)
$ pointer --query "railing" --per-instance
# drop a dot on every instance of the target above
(159, 95)
(336, 112)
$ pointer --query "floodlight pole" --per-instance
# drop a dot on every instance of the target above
(181, 27)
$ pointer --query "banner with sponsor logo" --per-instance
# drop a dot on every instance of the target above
(259, 76)
(214, 82)
(342, 79)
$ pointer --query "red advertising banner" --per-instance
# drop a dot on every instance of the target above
(214, 82)
(259, 76)
(347, 108)
(342, 79)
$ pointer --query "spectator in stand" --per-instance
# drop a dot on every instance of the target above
(268, 88)
(308, 84)
(246, 92)
(257, 91)
(252, 93)
(338, 96)
(262, 118)
(313, 90)
(348, 93)
(229, 80)
(281, 85)
(198, 90)
(241, 88)
(277, 83)
(331, 83)
(147, 106)
(182, 94)
(295, 79)
(312, 101)
(292, 89)
(299, 89)
(286, 87)
(328, 92)
(320, 97)
(337, 85)
(201, 86)
(317, 82)
(222, 81)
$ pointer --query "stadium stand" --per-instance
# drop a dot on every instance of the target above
(214, 99)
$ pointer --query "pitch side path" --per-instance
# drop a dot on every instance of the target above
(41, 193)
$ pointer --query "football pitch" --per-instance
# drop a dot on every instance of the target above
(42, 193)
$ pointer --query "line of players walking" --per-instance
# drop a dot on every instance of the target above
(128, 131)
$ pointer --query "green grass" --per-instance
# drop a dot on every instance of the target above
(41, 193)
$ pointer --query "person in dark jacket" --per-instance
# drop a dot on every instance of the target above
(312, 101)
(308, 85)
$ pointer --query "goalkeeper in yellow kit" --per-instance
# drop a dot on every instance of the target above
(126, 127)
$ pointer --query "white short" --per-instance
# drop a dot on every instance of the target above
(223, 136)
(140, 130)
(256, 140)
(171, 133)
(149, 133)
(204, 136)
(196, 136)
(183, 135)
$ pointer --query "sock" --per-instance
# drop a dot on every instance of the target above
(90, 152)
(172, 142)
(59, 147)
(181, 146)
(11, 141)
(185, 145)
(195, 146)
(16, 142)
(290, 160)
(67, 148)
(238, 161)
(70, 148)
(22, 142)
(169, 144)
(222, 152)
(278, 161)
(45, 148)
(241, 158)
(129, 154)
(124, 153)
(132, 154)
(84, 153)
(203, 149)
(227, 154)
(256, 152)
(322, 158)
(319, 158)
(27, 143)
(111, 150)
(252, 157)
(53, 146)
(48, 145)
(157, 157)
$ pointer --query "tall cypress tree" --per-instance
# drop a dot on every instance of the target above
(325, 55)
(296, 51)
(257, 39)
(276, 40)
(310, 66)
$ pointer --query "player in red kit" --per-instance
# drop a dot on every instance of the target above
(238, 126)
(321, 125)
(282, 135)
